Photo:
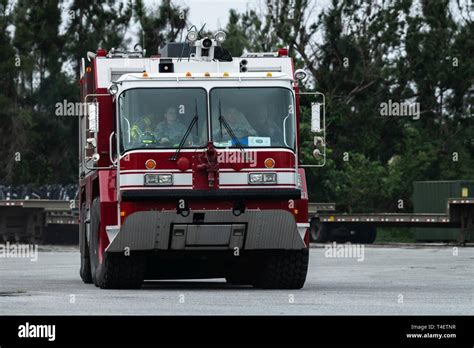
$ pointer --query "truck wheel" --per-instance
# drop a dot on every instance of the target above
(119, 271)
(94, 239)
(116, 270)
(85, 271)
(284, 269)
(318, 231)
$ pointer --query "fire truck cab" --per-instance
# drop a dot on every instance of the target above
(189, 168)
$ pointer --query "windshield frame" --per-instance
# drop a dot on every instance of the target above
(122, 150)
(294, 150)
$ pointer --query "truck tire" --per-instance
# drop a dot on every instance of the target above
(284, 269)
(318, 231)
(85, 270)
(94, 239)
(120, 271)
(117, 270)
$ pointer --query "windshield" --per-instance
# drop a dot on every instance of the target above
(159, 117)
(253, 117)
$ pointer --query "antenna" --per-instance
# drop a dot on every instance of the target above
(200, 31)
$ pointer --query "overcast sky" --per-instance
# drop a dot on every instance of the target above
(214, 13)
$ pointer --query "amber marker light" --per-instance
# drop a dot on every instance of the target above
(269, 163)
(150, 164)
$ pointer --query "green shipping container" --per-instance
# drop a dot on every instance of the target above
(432, 197)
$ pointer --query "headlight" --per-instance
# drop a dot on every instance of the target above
(159, 179)
(262, 178)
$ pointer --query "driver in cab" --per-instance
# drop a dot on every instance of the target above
(170, 130)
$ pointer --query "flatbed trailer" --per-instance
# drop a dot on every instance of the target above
(327, 225)
(31, 220)
(38, 221)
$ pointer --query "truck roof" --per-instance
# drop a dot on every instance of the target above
(108, 70)
(205, 76)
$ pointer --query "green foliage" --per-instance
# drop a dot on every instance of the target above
(92, 25)
(39, 147)
(359, 54)
(395, 235)
(362, 54)
(164, 24)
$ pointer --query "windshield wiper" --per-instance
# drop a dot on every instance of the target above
(223, 122)
(194, 121)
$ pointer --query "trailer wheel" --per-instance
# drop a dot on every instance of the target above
(85, 271)
(318, 231)
(371, 234)
(284, 269)
(366, 234)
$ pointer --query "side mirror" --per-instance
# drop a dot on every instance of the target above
(93, 117)
(317, 108)
(315, 117)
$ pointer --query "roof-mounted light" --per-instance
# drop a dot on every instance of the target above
(283, 52)
(192, 36)
(101, 52)
(220, 37)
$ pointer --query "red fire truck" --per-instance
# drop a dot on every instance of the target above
(189, 167)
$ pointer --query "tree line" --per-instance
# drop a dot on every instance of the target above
(363, 55)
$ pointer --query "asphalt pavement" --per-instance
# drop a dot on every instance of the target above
(408, 280)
